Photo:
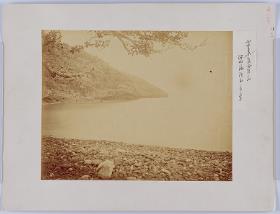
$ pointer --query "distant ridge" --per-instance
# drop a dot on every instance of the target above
(80, 77)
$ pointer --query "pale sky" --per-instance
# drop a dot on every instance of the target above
(176, 68)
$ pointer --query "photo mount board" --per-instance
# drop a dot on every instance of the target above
(253, 184)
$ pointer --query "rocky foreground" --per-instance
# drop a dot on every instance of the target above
(74, 159)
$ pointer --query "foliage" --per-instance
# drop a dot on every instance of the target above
(134, 42)
(140, 42)
(51, 40)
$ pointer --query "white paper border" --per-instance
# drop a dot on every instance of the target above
(252, 187)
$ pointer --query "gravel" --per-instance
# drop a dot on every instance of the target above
(72, 159)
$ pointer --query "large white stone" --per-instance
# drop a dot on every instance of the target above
(105, 169)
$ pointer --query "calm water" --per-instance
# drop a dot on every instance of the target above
(159, 121)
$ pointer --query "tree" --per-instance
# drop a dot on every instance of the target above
(134, 42)
(51, 39)
(142, 42)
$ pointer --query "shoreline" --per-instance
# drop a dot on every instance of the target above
(90, 101)
(135, 144)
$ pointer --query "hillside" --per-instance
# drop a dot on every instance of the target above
(81, 77)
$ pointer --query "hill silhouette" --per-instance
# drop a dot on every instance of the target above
(82, 77)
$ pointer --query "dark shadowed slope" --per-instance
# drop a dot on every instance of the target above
(81, 77)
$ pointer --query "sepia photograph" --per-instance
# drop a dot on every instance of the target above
(136, 105)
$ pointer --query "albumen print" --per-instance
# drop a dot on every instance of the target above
(136, 105)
